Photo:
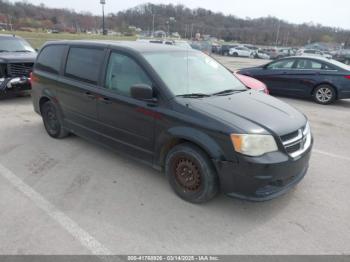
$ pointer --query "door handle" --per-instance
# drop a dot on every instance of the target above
(90, 96)
(105, 100)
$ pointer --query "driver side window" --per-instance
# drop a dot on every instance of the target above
(123, 73)
(282, 64)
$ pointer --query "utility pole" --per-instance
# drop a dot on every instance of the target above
(103, 2)
(153, 25)
(191, 31)
(278, 32)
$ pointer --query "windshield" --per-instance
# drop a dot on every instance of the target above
(15, 45)
(193, 73)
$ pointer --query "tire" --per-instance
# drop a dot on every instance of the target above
(53, 121)
(235, 54)
(191, 174)
(324, 94)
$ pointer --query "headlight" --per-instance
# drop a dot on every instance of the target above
(253, 145)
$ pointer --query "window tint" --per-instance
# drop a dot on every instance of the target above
(84, 64)
(122, 73)
(50, 58)
(328, 67)
(309, 64)
(283, 64)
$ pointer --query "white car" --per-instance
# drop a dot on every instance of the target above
(313, 52)
(261, 54)
(241, 51)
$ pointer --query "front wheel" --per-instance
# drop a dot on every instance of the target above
(324, 94)
(191, 174)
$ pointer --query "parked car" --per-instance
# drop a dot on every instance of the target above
(343, 56)
(261, 54)
(16, 62)
(225, 49)
(313, 52)
(241, 51)
(216, 48)
(322, 79)
(252, 83)
(276, 53)
(179, 111)
(157, 41)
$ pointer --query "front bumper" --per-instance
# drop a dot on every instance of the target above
(262, 178)
(15, 84)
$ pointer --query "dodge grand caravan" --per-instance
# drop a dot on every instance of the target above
(177, 110)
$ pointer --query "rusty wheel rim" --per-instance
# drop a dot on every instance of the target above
(187, 174)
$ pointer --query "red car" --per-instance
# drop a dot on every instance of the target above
(252, 83)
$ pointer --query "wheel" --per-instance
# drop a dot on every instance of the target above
(235, 54)
(52, 121)
(324, 94)
(191, 174)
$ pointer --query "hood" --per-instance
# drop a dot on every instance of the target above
(17, 57)
(250, 70)
(251, 112)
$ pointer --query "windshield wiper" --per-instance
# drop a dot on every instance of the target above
(194, 95)
(22, 51)
(228, 92)
(3, 51)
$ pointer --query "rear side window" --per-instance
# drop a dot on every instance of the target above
(84, 64)
(283, 64)
(50, 58)
(309, 64)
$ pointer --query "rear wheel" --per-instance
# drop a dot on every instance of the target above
(324, 94)
(52, 120)
(235, 54)
(191, 174)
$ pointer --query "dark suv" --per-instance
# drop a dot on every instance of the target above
(177, 110)
(16, 62)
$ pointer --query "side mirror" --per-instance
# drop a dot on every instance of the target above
(142, 92)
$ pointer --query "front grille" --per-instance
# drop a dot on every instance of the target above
(289, 136)
(19, 69)
(297, 142)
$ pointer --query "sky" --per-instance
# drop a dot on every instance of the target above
(333, 13)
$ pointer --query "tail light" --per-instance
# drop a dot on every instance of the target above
(347, 77)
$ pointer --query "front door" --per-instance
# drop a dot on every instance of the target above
(127, 123)
(276, 76)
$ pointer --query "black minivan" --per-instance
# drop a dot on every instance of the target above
(176, 109)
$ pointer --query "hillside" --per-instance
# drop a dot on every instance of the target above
(25, 16)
